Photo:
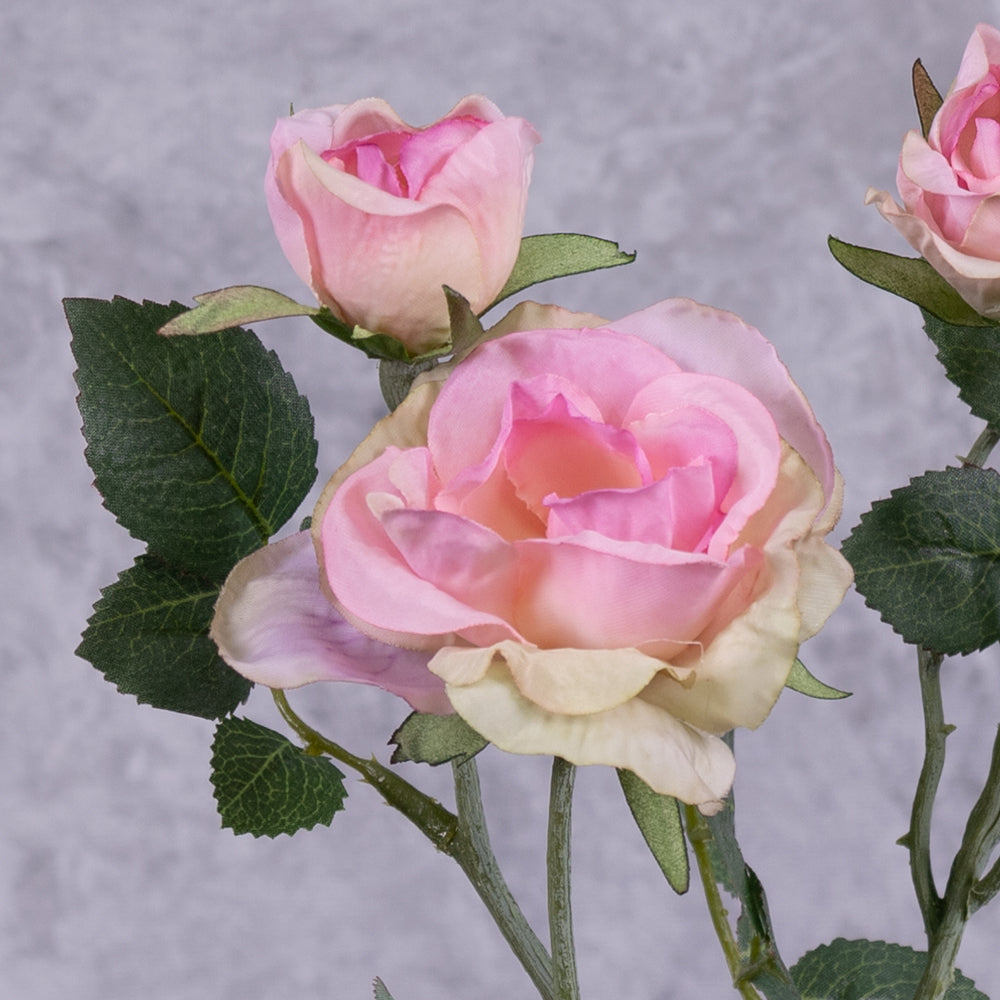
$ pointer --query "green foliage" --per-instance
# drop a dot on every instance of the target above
(200, 446)
(379, 346)
(234, 306)
(435, 739)
(381, 993)
(911, 278)
(266, 786)
(971, 359)
(868, 970)
(659, 820)
(557, 255)
(802, 681)
(149, 636)
(928, 559)
(926, 95)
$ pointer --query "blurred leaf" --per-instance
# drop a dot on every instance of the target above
(234, 306)
(557, 255)
(659, 820)
(928, 559)
(149, 636)
(802, 681)
(435, 739)
(266, 786)
(927, 97)
(911, 278)
(381, 993)
(971, 359)
(200, 446)
(869, 970)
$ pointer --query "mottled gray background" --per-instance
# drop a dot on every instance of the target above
(721, 139)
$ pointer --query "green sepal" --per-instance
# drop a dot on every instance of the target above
(200, 446)
(971, 359)
(927, 97)
(558, 255)
(237, 305)
(928, 559)
(911, 278)
(435, 739)
(381, 993)
(266, 786)
(659, 820)
(378, 346)
(869, 970)
(149, 637)
(799, 679)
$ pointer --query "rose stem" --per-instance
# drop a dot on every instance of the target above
(463, 838)
(558, 864)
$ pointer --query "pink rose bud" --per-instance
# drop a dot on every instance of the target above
(604, 544)
(950, 181)
(376, 215)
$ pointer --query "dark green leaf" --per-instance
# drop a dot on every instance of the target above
(928, 559)
(659, 820)
(557, 255)
(395, 378)
(911, 278)
(149, 636)
(802, 681)
(381, 993)
(926, 95)
(265, 785)
(466, 330)
(435, 739)
(869, 970)
(200, 446)
(234, 306)
(971, 359)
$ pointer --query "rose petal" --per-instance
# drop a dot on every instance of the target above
(274, 626)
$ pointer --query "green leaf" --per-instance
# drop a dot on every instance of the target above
(926, 95)
(659, 820)
(802, 681)
(869, 970)
(971, 359)
(928, 559)
(911, 278)
(557, 255)
(381, 993)
(265, 785)
(234, 306)
(378, 346)
(435, 739)
(466, 330)
(200, 446)
(149, 636)
(395, 378)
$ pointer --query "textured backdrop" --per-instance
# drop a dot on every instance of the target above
(721, 139)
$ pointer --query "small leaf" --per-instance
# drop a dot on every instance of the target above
(395, 378)
(234, 306)
(799, 679)
(435, 739)
(557, 255)
(466, 330)
(378, 346)
(926, 95)
(928, 559)
(869, 970)
(266, 786)
(381, 993)
(971, 359)
(200, 446)
(149, 636)
(911, 278)
(659, 820)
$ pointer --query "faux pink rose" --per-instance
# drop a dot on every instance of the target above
(950, 181)
(376, 215)
(606, 543)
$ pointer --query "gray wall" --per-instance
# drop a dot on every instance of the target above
(721, 139)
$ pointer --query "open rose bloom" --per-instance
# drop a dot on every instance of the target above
(376, 215)
(950, 181)
(604, 544)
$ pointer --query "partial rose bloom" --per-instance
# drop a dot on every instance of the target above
(605, 543)
(950, 181)
(376, 215)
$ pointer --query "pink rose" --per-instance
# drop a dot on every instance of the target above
(376, 215)
(950, 182)
(606, 543)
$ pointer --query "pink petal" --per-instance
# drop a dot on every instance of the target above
(425, 151)
(274, 626)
